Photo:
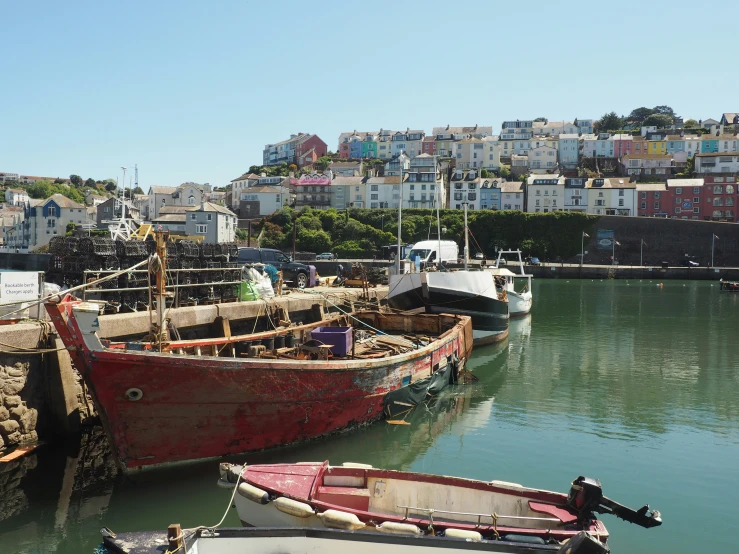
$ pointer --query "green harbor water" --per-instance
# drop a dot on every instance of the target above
(631, 383)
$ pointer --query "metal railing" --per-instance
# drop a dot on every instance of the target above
(493, 516)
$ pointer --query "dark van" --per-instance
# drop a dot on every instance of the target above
(298, 274)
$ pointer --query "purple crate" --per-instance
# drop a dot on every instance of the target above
(339, 338)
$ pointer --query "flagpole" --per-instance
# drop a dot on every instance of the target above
(582, 247)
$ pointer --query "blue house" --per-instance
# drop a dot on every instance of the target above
(490, 194)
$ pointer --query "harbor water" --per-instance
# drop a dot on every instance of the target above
(629, 382)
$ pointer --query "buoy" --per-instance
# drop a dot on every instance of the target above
(293, 507)
(336, 519)
(253, 493)
(356, 465)
(473, 536)
(399, 528)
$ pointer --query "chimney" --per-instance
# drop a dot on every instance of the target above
(202, 205)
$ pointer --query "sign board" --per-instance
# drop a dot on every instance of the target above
(17, 288)
(687, 205)
(605, 239)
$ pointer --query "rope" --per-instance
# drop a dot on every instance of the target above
(20, 349)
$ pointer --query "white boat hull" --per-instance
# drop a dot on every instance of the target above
(519, 303)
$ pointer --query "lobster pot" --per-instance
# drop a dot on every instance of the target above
(57, 246)
(206, 250)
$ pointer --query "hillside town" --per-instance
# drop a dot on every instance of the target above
(654, 166)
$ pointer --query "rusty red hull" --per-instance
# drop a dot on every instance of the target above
(163, 408)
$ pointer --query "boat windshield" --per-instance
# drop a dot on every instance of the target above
(422, 253)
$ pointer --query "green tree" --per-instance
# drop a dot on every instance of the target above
(659, 120)
(690, 124)
(542, 119)
(665, 110)
(58, 181)
(484, 173)
(322, 163)
(70, 228)
(138, 190)
(609, 122)
(76, 180)
(111, 187)
(90, 183)
(505, 171)
(638, 115)
(242, 235)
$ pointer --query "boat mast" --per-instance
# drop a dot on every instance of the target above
(161, 282)
(438, 221)
(400, 206)
(466, 238)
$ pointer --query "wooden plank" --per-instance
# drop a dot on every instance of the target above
(20, 452)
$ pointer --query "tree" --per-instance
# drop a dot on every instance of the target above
(138, 190)
(505, 171)
(76, 180)
(111, 187)
(609, 122)
(542, 119)
(690, 124)
(638, 115)
(322, 163)
(658, 120)
(90, 183)
(58, 181)
(665, 110)
(484, 173)
(70, 228)
(292, 167)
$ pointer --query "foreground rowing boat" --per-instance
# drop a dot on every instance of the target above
(362, 497)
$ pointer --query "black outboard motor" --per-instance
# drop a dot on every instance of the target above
(586, 497)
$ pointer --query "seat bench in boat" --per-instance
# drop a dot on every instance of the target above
(350, 497)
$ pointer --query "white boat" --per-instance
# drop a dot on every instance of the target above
(437, 290)
(325, 541)
(360, 497)
(519, 301)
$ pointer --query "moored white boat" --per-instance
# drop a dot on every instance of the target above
(359, 497)
(520, 301)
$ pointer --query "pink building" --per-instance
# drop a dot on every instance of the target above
(428, 146)
(622, 145)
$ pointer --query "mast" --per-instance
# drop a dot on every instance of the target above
(400, 206)
(466, 238)
(438, 220)
(161, 281)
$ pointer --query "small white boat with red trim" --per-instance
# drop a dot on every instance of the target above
(360, 497)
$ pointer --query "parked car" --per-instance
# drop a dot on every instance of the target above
(298, 274)
(688, 263)
(534, 261)
(326, 256)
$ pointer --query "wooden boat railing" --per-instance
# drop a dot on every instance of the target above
(495, 517)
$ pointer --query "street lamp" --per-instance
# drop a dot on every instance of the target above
(614, 243)
(582, 247)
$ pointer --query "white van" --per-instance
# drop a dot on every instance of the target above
(428, 251)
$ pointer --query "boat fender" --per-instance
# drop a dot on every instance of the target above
(399, 528)
(253, 493)
(473, 536)
(336, 519)
(356, 465)
(293, 507)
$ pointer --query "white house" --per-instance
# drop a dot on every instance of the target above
(543, 158)
(569, 150)
(718, 162)
(576, 195)
(45, 219)
(424, 183)
(545, 193)
(16, 197)
(465, 187)
(261, 201)
(512, 195)
(615, 196)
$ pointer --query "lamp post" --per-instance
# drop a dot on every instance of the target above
(400, 206)
(614, 243)
(582, 247)
(713, 244)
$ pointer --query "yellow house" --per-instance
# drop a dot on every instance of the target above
(657, 147)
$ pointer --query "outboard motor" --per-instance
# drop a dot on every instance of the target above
(585, 496)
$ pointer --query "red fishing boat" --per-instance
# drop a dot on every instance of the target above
(360, 497)
(163, 401)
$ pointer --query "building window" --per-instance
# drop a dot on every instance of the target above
(696, 199)
(201, 229)
(678, 200)
(193, 217)
(191, 200)
(643, 195)
(656, 195)
(696, 210)
(52, 211)
(656, 205)
(210, 217)
(643, 206)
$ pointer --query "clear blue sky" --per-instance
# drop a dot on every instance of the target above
(191, 91)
